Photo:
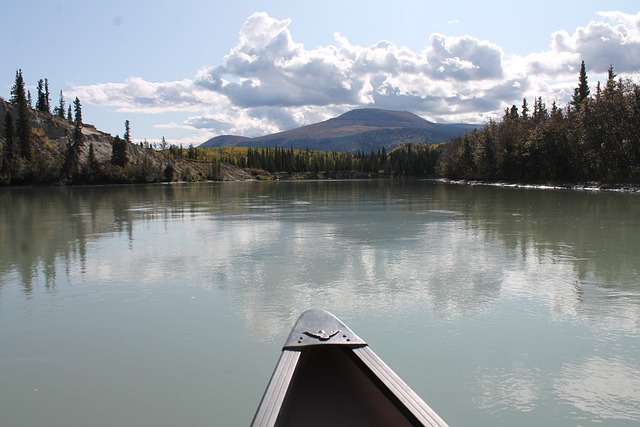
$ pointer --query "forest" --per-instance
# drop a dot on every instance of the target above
(595, 137)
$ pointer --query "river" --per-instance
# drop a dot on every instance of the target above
(167, 305)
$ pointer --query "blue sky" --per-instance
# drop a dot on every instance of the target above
(191, 70)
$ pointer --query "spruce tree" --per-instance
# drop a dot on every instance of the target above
(127, 131)
(525, 109)
(77, 107)
(611, 81)
(582, 92)
(72, 163)
(41, 103)
(17, 90)
(47, 96)
(9, 132)
(9, 150)
(93, 164)
(119, 153)
(78, 138)
(23, 126)
(60, 109)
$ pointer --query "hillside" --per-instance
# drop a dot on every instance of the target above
(357, 130)
(53, 136)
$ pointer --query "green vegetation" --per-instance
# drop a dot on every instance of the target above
(596, 138)
(412, 159)
(41, 147)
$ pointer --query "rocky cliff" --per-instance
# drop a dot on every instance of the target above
(53, 135)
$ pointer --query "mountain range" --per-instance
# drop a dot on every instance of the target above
(357, 130)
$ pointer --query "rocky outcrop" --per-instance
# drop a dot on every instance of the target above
(53, 136)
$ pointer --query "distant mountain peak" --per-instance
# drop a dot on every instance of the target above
(377, 117)
(361, 129)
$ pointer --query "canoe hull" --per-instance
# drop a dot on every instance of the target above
(337, 381)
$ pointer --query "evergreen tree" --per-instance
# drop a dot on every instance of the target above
(525, 109)
(582, 91)
(9, 132)
(60, 109)
(611, 82)
(41, 103)
(77, 108)
(119, 155)
(93, 165)
(127, 131)
(119, 152)
(92, 156)
(72, 163)
(8, 154)
(47, 96)
(23, 127)
(17, 90)
(69, 116)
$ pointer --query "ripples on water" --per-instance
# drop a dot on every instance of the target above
(499, 306)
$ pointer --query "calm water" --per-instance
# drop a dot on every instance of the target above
(167, 305)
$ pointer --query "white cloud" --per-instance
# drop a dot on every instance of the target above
(614, 41)
(138, 95)
(269, 82)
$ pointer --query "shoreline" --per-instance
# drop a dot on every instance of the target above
(593, 186)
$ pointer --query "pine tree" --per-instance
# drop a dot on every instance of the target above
(72, 163)
(78, 138)
(47, 96)
(77, 107)
(119, 152)
(525, 109)
(9, 132)
(17, 90)
(127, 131)
(69, 116)
(59, 110)
(23, 127)
(93, 164)
(611, 81)
(8, 154)
(582, 92)
(41, 103)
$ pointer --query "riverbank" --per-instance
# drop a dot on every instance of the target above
(583, 186)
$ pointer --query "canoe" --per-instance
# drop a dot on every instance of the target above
(328, 376)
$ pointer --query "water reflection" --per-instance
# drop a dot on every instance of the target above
(517, 276)
(387, 242)
(607, 389)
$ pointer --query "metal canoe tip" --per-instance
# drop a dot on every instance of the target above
(319, 327)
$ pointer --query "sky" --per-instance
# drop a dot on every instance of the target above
(195, 69)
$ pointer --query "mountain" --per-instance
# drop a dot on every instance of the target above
(357, 130)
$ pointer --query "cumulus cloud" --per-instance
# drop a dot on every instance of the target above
(267, 68)
(463, 58)
(614, 40)
(138, 95)
(269, 82)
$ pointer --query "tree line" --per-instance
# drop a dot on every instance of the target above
(596, 137)
(27, 156)
(411, 159)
